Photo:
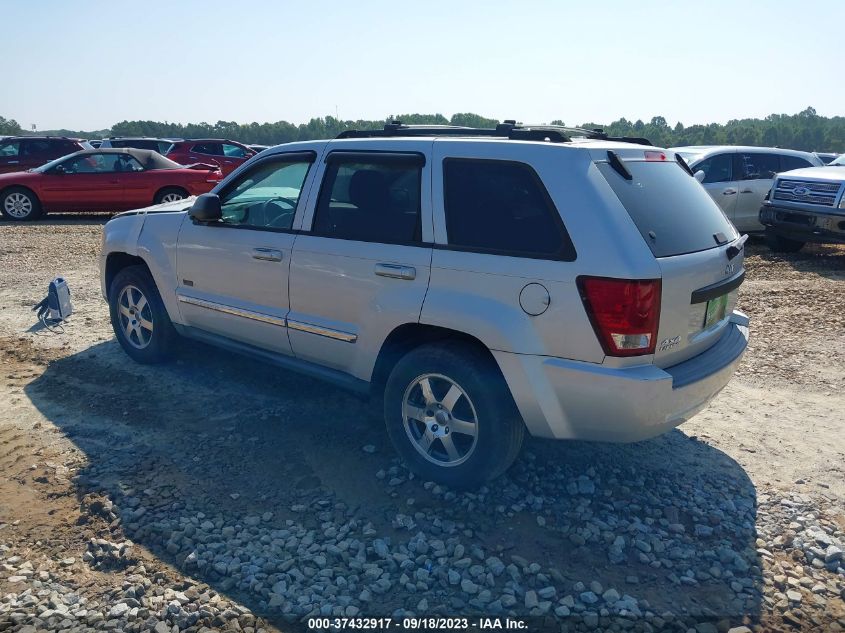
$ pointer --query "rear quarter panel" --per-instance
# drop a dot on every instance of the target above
(480, 293)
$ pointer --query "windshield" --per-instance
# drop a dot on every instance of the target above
(51, 164)
(839, 161)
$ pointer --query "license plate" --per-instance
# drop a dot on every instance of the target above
(716, 309)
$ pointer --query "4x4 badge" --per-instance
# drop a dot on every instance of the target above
(729, 269)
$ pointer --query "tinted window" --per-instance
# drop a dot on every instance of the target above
(233, 151)
(793, 162)
(374, 202)
(10, 148)
(716, 168)
(266, 196)
(754, 166)
(503, 207)
(212, 149)
(36, 148)
(672, 212)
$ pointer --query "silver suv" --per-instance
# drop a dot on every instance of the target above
(480, 283)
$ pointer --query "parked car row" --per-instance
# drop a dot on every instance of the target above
(102, 180)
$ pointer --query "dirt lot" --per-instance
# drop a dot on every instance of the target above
(216, 493)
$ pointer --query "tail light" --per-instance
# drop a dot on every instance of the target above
(624, 313)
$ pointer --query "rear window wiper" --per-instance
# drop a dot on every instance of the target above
(618, 165)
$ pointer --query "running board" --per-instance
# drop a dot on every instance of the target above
(334, 376)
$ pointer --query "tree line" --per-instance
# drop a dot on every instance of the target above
(805, 130)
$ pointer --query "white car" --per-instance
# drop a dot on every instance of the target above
(481, 283)
(738, 178)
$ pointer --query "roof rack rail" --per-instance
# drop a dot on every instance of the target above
(509, 129)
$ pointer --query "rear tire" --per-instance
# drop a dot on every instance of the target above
(139, 318)
(19, 204)
(170, 194)
(450, 415)
(781, 244)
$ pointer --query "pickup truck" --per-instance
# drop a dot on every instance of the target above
(806, 205)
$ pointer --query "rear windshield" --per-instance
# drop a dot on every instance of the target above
(672, 211)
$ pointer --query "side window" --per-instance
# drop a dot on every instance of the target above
(266, 196)
(793, 162)
(101, 163)
(212, 149)
(35, 148)
(716, 168)
(376, 201)
(502, 207)
(754, 166)
(9, 149)
(162, 147)
(233, 151)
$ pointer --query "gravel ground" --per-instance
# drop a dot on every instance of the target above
(214, 493)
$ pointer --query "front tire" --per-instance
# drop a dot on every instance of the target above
(781, 244)
(170, 194)
(139, 318)
(450, 415)
(20, 205)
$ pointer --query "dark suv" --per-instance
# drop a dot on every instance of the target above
(19, 153)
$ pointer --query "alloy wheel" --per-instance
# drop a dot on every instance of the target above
(440, 419)
(136, 317)
(18, 205)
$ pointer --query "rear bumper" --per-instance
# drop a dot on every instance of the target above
(804, 225)
(564, 399)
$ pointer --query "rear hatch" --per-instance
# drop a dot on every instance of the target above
(697, 248)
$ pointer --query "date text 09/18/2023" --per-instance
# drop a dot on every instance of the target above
(416, 623)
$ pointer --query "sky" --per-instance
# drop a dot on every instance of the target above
(85, 65)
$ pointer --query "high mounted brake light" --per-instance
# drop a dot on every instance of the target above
(624, 313)
(655, 156)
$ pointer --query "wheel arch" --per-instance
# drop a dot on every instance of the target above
(409, 336)
(161, 190)
(117, 261)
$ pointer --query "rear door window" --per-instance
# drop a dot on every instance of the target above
(501, 207)
(673, 213)
(756, 166)
(39, 149)
(371, 200)
(211, 149)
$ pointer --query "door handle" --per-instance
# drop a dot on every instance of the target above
(396, 271)
(267, 254)
(747, 191)
(729, 192)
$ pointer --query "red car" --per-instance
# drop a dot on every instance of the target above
(229, 155)
(19, 153)
(102, 180)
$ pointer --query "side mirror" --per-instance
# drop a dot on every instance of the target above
(206, 208)
(699, 175)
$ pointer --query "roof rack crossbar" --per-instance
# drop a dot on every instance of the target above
(509, 129)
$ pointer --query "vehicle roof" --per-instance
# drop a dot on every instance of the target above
(41, 138)
(138, 138)
(147, 157)
(206, 140)
(828, 172)
(394, 141)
